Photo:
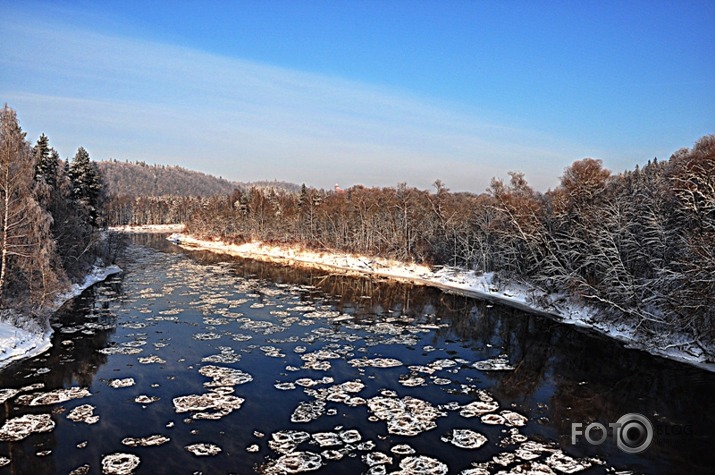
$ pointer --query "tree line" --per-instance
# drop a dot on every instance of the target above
(637, 244)
(51, 218)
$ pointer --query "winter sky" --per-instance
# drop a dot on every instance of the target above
(369, 92)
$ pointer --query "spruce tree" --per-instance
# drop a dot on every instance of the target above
(46, 162)
(86, 184)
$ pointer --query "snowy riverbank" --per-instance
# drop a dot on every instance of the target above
(566, 309)
(149, 228)
(21, 337)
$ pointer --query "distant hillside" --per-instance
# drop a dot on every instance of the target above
(140, 179)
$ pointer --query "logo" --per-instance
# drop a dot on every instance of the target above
(632, 433)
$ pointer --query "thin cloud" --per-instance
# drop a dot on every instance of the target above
(140, 100)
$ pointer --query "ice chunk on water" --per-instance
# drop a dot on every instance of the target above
(501, 363)
(119, 464)
(53, 397)
(465, 438)
(203, 449)
(121, 383)
(83, 413)
(152, 440)
(423, 465)
(18, 428)
(295, 462)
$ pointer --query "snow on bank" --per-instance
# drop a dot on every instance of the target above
(562, 307)
(25, 338)
(149, 228)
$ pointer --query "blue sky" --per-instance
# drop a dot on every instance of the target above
(369, 92)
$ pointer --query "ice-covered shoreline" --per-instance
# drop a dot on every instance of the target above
(148, 228)
(18, 343)
(561, 307)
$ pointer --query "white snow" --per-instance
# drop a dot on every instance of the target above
(561, 306)
(17, 342)
(149, 228)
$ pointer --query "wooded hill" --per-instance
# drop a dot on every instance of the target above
(138, 179)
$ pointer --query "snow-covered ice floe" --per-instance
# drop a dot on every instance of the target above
(19, 341)
(486, 286)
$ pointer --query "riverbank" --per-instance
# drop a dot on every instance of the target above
(24, 337)
(488, 286)
(149, 228)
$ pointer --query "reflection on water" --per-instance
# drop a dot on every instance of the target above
(194, 362)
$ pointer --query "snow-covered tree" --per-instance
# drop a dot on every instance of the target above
(27, 252)
(86, 184)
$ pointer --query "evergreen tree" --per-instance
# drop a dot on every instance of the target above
(46, 162)
(86, 184)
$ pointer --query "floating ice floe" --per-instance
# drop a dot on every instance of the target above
(287, 441)
(413, 381)
(566, 464)
(83, 413)
(4, 461)
(327, 439)
(284, 386)
(402, 449)
(53, 397)
(119, 350)
(7, 393)
(20, 427)
(465, 438)
(149, 441)
(227, 356)
(307, 382)
(81, 470)
(500, 363)
(207, 336)
(493, 419)
(308, 411)
(221, 404)
(478, 408)
(513, 418)
(350, 436)
(375, 362)
(253, 448)
(376, 458)
(121, 383)
(530, 450)
(144, 399)
(119, 464)
(422, 465)
(272, 351)
(294, 462)
(223, 376)
(151, 359)
(407, 416)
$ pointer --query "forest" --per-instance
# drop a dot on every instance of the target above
(637, 244)
(52, 225)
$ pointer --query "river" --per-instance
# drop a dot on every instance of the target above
(192, 362)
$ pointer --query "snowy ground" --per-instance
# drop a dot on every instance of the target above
(23, 339)
(149, 228)
(559, 306)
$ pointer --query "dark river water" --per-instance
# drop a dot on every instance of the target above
(245, 367)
